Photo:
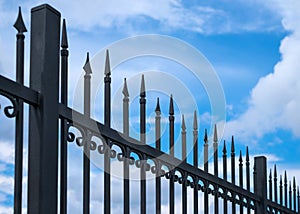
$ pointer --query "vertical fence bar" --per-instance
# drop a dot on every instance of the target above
(107, 116)
(126, 154)
(275, 185)
(20, 26)
(158, 146)
(143, 140)
(241, 179)
(290, 195)
(86, 149)
(184, 190)
(44, 77)
(294, 193)
(298, 197)
(206, 170)
(64, 53)
(270, 186)
(260, 183)
(195, 159)
(285, 190)
(171, 136)
(280, 191)
(215, 146)
(248, 177)
(225, 176)
(233, 171)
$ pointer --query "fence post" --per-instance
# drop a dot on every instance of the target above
(43, 119)
(260, 183)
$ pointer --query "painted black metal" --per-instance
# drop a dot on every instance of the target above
(64, 53)
(19, 130)
(45, 110)
(43, 125)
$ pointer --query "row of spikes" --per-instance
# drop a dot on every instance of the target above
(283, 188)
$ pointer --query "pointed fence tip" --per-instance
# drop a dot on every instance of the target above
(87, 67)
(64, 38)
(247, 154)
(183, 123)
(241, 157)
(107, 70)
(275, 171)
(205, 136)
(171, 109)
(125, 89)
(143, 88)
(232, 144)
(19, 24)
(215, 134)
(195, 124)
(157, 109)
(224, 148)
(270, 175)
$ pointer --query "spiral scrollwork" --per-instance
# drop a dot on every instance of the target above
(11, 110)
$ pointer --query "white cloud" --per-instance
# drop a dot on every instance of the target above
(275, 100)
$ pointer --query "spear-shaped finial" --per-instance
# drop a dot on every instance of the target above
(19, 24)
(241, 157)
(87, 67)
(232, 144)
(270, 175)
(125, 89)
(143, 88)
(183, 127)
(107, 70)
(285, 177)
(275, 172)
(215, 134)
(157, 109)
(294, 183)
(195, 125)
(205, 136)
(171, 109)
(64, 38)
(247, 154)
(224, 148)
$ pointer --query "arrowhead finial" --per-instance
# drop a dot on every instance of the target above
(275, 171)
(19, 24)
(224, 148)
(205, 136)
(232, 144)
(107, 70)
(241, 158)
(171, 109)
(157, 109)
(215, 134)
(125, 89)
(183, 124)
(87, 67)
(143, 88)
(195, 125)
(64, 38)
(247, 155)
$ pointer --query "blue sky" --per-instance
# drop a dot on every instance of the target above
(253, 46)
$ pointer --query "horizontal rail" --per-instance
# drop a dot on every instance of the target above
(79, 119)
(19, 91)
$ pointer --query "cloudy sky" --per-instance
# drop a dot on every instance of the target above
(252, 45)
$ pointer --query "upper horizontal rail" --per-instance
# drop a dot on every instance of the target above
(20, 91)
(94, 126)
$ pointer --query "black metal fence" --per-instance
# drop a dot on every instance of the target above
(47, 187)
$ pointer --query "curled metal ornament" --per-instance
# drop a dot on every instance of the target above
(11, 110)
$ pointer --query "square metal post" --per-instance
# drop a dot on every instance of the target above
(43, 119)
(260, 183)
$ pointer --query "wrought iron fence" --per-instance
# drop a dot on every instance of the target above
(48, 78)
